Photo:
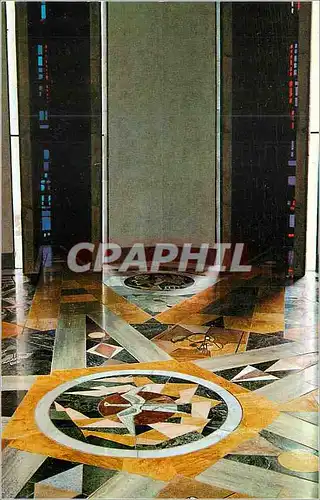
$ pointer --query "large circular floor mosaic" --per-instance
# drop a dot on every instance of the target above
(159, 281)
(138, 413)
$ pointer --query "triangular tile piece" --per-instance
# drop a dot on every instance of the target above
(70, 479)
(149, 442)
(47, 491)
(153, 321)
(59, 407)
(93, 478)
(92, 326)
(257, 446)
(245, 371)
(308, 402)
(105, 423)
(201, 409)
(257, 340)
(251, 373)
(113, 362)
(258, 375)
(166, 346)
(296, 362)
(264, 365)
(195, 328)
(116, 438)
(283, 365)
(186, 395)
(153, 435)
(174, 430)
(74, 414)
(306, 359)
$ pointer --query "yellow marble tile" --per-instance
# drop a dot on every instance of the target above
(200, 319)
(299, 461)
(42, 324)
(238, 323)
(193, 420)
(267, 322)
(48, 491)
(185, 354)
(117, 438)
(49, 294)
(44, 309)
(242, 346)
(160, 469)
(142, 380)
(120, 306)
(183, 487)
(270, 301)
(10, 330)
(86, 297)
(200, 399)
(189, 308)
(153, 435)
(70, 284)
(93, 286)
(174, 389)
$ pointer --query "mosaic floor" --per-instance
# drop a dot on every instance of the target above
(159, 386)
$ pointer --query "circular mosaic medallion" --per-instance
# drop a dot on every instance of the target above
(156, 282)
(140, 413)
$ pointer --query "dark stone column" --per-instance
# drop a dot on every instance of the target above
(27, 201)
(302, 139)
(226, 120)
(6, 187)
(96, 160)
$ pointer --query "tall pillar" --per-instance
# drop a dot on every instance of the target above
(226, 106)
(7, 247)
(95, 87)
(302, 139)
(27, 201)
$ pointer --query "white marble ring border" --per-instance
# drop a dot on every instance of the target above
(46, 426)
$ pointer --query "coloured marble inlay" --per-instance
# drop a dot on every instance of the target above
(157, 413)
(159, 281)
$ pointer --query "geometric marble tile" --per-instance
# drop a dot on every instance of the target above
(184, 487)
(10, 330)
(307, 402)
(257, 446)
(251, 373)
(68, 480)
(191, 342)
(28, 354)
(294, 363)
(102, 349)
(251, 377)
(298, 464)
(44, 482)
(42, 490)
(141, 410)
(258, 340)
